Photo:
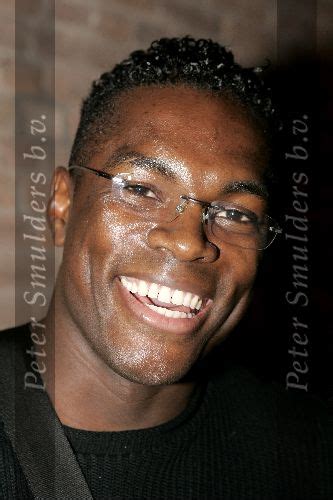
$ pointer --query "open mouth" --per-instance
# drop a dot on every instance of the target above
(165, 301)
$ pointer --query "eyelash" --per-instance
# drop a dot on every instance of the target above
(136, 185)
(251, 219)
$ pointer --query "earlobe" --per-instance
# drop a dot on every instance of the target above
(59, 205)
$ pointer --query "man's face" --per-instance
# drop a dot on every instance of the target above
(207, 143)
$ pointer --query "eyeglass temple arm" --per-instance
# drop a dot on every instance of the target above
(100, 173)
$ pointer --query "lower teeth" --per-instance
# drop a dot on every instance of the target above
(169, 313)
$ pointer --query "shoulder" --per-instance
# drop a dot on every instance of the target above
(267, 405)
(13, 344)
(14, 336)
(242, 384)
(284, 436)
(12, 479)
(10, 333)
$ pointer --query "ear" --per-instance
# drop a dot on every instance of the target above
(59, 204)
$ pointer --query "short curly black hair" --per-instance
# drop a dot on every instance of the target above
(201, 64)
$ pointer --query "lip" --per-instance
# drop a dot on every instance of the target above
(179, 326)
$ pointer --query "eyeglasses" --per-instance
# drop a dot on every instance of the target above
(151, 196)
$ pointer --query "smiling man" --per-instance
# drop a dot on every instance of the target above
(163, 215)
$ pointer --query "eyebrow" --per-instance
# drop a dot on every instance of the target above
(153, 164)
(251, 187)
(142, 161)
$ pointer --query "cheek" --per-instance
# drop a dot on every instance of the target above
(236, 277)
(245, 271)
(123, 238)
(96, 250)
(97, 245)
(239, 266)
(246, 266)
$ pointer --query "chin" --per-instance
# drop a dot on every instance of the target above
(163, 374)
(152, 379)
(149, 368)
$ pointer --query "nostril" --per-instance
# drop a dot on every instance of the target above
(215, 250)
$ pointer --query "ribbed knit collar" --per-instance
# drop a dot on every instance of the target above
(181, 429)
(166, 434)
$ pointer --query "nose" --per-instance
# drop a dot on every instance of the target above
(184, 238)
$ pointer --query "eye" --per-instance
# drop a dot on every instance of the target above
(139, 190)
(235, 215)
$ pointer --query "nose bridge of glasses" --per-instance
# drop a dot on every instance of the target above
(185, 200)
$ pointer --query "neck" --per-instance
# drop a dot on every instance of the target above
(87, 394)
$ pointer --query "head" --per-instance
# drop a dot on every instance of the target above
(153, 294)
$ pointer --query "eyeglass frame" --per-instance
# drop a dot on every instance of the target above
(180, 208)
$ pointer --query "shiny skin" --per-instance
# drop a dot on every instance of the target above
(207, 141)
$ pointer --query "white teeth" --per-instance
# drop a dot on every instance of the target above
(159, 310)
(179, 314)
(199, 304)
(177, 298)
(127, 284)
(194, 302)
(153, 291)
(164, 294)
(187, 299)
(142, 288)
(168, 313)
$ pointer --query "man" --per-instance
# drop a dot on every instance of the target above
(163, 216)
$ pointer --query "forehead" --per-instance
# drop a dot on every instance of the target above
(194, 127)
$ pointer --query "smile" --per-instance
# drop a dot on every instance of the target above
(165, 301)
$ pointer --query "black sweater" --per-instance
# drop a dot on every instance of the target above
(238, 439)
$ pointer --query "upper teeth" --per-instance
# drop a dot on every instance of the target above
(162, 293)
